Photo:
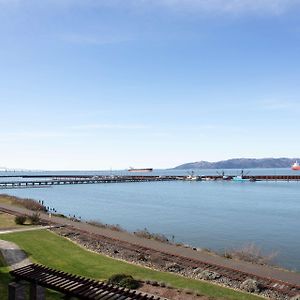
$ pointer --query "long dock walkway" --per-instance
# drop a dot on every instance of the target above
(66, 180)
(256, 270)
(52, 180)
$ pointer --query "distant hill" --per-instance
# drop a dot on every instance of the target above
(241, 163)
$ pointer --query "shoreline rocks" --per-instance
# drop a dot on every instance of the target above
(152, 259)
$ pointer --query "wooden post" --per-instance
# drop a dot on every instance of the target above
(16, 291)
(37, 292)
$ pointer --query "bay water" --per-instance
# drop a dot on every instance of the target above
(218, 215)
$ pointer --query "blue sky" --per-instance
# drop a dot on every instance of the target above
(87, 84)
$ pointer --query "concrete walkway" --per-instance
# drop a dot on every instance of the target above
(258, 270)
(5, 231)
(14, 257)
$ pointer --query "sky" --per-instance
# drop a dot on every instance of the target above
(108, 84)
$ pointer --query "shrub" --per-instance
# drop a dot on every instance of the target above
(129, 283)
(20, 220)
(115, 227)
(154, 283)
(151, 236)
(251, 253)
(34, 219)
(97, 224)
(124, 280)
(25, 202)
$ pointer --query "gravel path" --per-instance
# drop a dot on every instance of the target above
(14, 257)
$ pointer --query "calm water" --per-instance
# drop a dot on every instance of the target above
(216, 215)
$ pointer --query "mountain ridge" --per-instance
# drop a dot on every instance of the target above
(241, 163)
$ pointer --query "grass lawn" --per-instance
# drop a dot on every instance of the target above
(4, 279)
(7, 221)
(54, 251)
(5, 199)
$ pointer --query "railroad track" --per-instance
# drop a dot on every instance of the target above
(279, 286)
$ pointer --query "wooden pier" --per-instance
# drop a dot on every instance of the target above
(66, 180)
(55, 180)
(257, 177)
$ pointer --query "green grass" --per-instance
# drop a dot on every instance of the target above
(4, 278)
(7, 221)
(54, 251)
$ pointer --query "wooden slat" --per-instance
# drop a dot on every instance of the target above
(76, 286)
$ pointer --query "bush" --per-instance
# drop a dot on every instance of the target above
(250, 253)
(34, 219)
(124, 280)
(20, 220)
(154, 283)
(151, 236)
(115, 227)
(24, 202)
(129, 283)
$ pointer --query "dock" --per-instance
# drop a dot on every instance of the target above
(34, 181)
(55, 180)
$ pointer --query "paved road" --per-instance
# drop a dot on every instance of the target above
(257, 270)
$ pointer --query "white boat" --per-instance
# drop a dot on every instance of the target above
(193, 178)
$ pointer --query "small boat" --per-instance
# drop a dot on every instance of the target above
(193, 178)
(240, 178)
(296, 166)
(140, 170)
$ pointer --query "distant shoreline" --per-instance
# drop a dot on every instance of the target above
(241, 163)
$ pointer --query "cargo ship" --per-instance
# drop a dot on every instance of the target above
(296, 166)
(140, 170)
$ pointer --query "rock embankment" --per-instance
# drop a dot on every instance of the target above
(160, 261)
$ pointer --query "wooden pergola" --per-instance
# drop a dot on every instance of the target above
(71, 286)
